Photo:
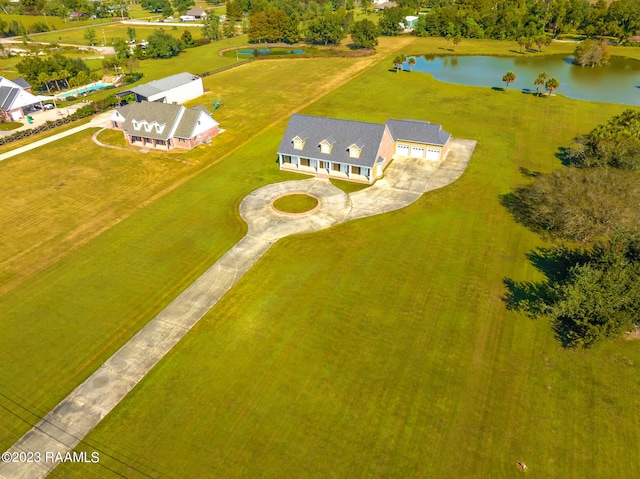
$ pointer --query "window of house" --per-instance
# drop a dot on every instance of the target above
(325, 147)
(354, 151)
(298, 143)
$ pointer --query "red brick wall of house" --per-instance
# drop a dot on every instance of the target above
(444, 149)
(193, 142)
(387, 147)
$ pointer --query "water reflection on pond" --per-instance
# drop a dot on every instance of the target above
(618, 82)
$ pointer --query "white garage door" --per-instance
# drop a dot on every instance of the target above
(402, 150)
(433, 154)
(417, 152)
(16, 115)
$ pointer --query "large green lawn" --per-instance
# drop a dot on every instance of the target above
(377, 348)
(58, 290)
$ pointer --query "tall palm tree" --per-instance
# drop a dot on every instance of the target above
(539, 82)
(412, 61)
(44, 79)
(552, 85)
(509, 78)
(64, 75)
(398, 61)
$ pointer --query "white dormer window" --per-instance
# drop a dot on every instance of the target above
(354, 151)
(137, 125)
(325, 147)
(159, 128)
(298, 143)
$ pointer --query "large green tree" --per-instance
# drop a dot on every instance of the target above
(592, 53)
(578, 204)
(590, 294)
(391, 19)
(211, 27)
(273, 25)
(181, 6)
(90, 35)
(326, 29)
(615, 144)
(163, 45)
(364, 34)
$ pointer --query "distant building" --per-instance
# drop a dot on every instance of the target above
(409, 23)
(197, 13)
(382, 5)
(173, 89)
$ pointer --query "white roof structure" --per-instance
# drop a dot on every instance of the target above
(13, 97)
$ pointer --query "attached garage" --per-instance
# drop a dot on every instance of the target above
(417, 151)
(402, 149)
(433, 154)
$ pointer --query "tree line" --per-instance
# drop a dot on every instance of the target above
(330, 27)
(592, 208)
(56, 72)
(64, 8)
(510, 20)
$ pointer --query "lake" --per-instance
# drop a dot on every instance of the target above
(617, 82)
(276, 51)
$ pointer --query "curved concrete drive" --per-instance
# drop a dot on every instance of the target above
(63, 428)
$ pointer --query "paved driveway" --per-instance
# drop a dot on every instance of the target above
(405, 181)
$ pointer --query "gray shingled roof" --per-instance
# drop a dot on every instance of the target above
(341, 133)
(187, 123)
(418, 131)
(195, 11)
(145, 90)
(202, 108)
(7, 96)
(22, 83)
(180, 121)
(157, 86)
(162, 113)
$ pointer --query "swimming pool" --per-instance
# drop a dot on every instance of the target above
(84, 89)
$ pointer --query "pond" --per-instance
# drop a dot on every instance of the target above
(256, 52)
(617, 82)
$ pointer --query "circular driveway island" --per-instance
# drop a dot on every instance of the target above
(268, 223)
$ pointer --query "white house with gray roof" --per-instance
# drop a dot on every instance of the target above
(356, 150)
(164, 126)
(173, 89)
(15, 101)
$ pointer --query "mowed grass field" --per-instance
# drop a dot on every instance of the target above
(111, 32)
(378, 348)
(58, 300)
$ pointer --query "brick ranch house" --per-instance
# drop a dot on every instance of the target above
(356, 150)
(164, 126)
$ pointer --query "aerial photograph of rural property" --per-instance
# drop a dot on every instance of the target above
(282, 239)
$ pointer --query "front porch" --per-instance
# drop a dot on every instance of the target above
(142, 142)
(325, 169)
